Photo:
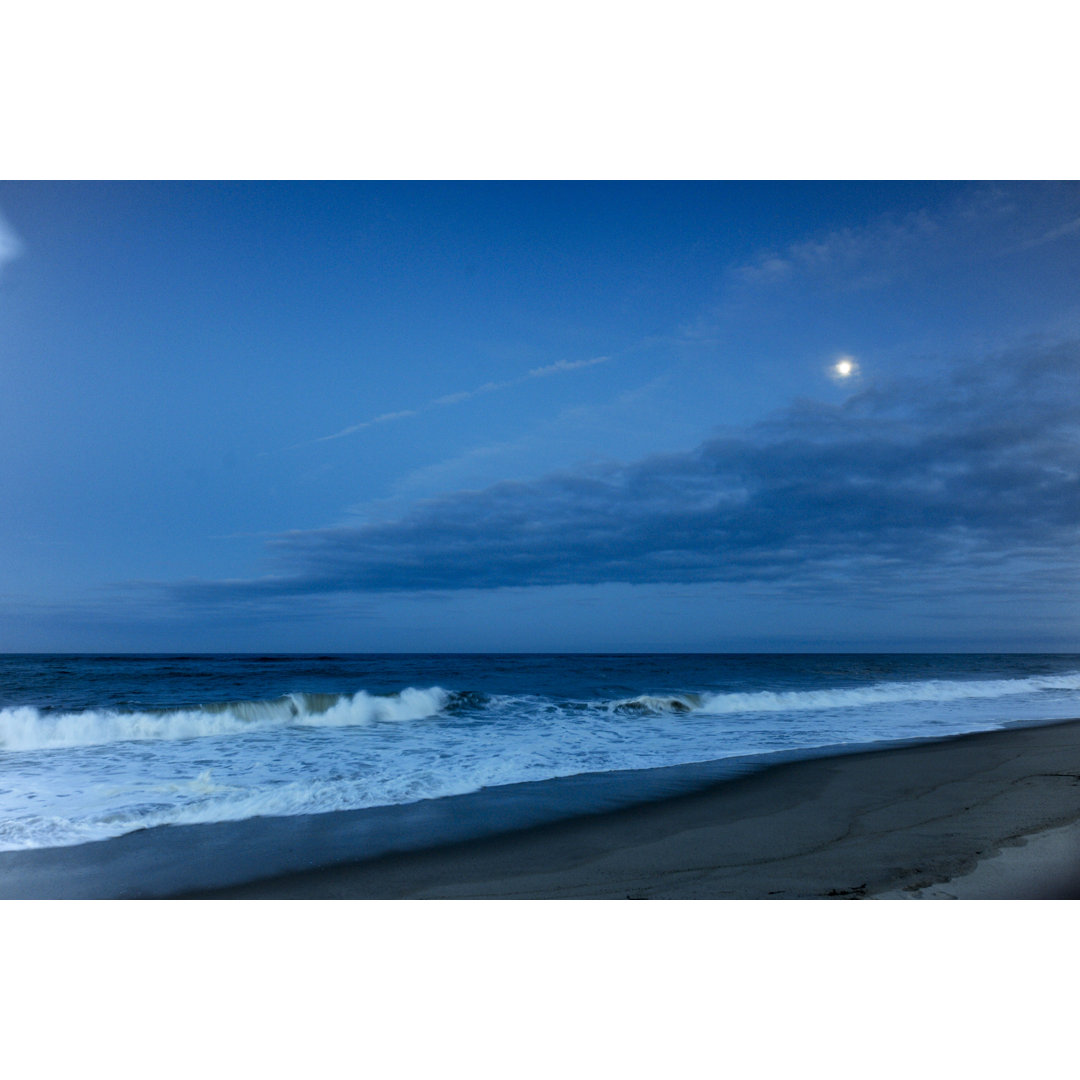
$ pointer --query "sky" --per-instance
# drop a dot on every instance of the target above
(624, 416)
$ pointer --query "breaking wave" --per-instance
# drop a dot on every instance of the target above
(886, 693)
(653, 703)
(27, 728)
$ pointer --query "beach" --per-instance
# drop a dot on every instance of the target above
(991, 815)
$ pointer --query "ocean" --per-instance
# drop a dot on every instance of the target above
(93, 747)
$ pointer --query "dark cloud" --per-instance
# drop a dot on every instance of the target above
(968, 476)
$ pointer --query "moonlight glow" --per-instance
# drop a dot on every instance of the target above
(844, 368)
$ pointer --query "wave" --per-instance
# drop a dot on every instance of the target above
(27, 728)
(887, 693)
(662, 703)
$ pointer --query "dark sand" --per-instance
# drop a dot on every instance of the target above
(993, 815)
(990, 816)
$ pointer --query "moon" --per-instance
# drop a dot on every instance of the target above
(844, 368)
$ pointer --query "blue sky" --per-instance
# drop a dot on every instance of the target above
(552, 416)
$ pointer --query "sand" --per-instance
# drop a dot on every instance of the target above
(986, 816)
(994, 815)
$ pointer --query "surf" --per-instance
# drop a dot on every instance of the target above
(25, 727)
(926, 691)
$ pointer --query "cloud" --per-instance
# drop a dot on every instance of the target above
(982, 222)
(1048, 237)
(857, 258)
(11, 246)
(562, 365)
(970, 478)
(464, 395)
(384, 418)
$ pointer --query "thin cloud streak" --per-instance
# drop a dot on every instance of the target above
(459, 471)
(464, 395)
(885, 244)
(1051, 235)
(385, 418)
(983, 224)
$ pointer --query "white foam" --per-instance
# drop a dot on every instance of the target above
(930, 690)
(26, 728)
(886, 693)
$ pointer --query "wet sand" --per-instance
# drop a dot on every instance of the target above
(987, 816)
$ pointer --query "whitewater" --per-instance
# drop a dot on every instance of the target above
(94, 747)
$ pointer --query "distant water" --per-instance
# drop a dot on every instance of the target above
(97, 746)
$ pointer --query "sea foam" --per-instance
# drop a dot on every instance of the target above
(27, 728)
(883, 693)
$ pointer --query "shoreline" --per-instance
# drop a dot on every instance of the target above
(988, 815)
(983, 815)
